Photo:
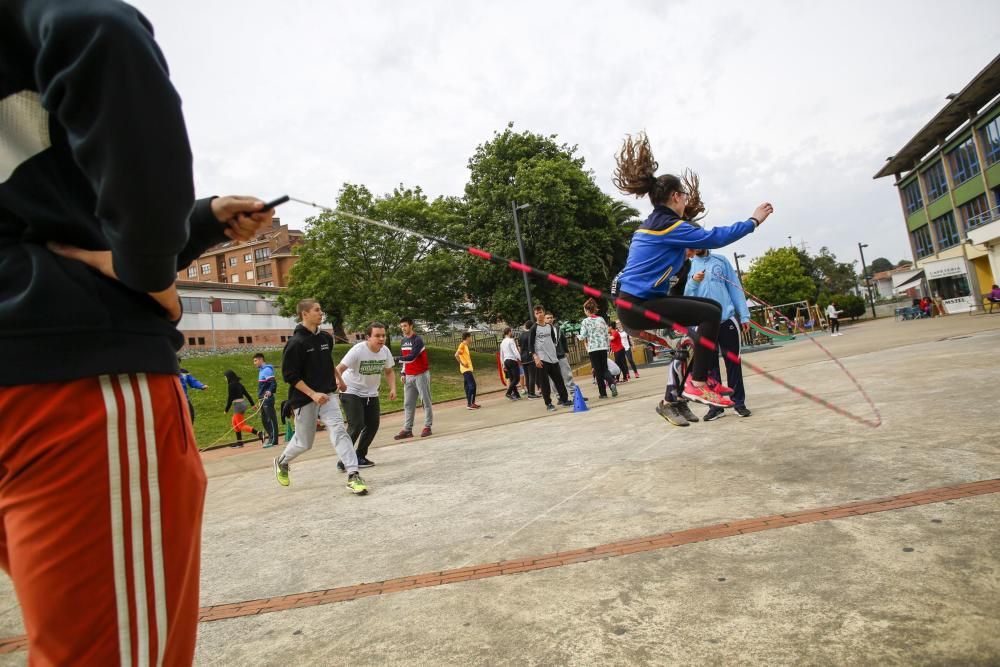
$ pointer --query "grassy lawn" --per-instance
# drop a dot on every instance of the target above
(211, 422)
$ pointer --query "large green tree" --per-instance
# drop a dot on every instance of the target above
(834, 277)
(359, 272)
(777, 277)
(878, 265)
(570, 226)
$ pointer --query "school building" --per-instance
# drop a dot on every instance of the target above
(948, 178)
(263, 261)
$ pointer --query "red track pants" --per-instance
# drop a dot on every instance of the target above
(101, 496)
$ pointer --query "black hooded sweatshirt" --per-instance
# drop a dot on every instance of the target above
(93, 153)
(308, 356)
(236, 389)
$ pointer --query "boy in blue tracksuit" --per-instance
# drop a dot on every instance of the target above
(267, 389)
(713, 277)
(658, 251)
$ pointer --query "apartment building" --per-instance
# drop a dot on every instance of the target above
(264, 261)
(948, 178)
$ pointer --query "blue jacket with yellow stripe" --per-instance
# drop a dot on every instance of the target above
(658, 250)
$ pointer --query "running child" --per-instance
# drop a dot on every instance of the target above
(237, 399)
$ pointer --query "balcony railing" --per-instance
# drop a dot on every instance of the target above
(983, 218)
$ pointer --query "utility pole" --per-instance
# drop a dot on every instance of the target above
(738, 272)
(864, 271)
(520, 248)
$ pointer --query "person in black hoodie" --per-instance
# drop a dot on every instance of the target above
(101, 484)
(237, 399)
(307, 367)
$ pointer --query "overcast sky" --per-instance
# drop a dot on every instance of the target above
(795, 103)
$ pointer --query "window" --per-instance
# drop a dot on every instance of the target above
(950, 287)
(266, 284)
(230, 306)
(201, 341)
(192, 271)
(976, 212)
(261, 254)
(911, 194)
(964, 163)
(247, 258)
(990, 134)
(206, 269)
(947, 232)
(242, 340)
(194, 304)
(264, 272)
(284, 339)
(249, 275)
(249, 340)
(922, 241)
(935, 181)
(232, 261)
(235, 278)
(191, 341)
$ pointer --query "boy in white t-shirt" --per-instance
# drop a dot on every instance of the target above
(362, 369)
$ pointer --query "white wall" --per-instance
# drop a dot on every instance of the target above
(234, 321)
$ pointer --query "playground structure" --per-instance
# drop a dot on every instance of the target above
(767, 323)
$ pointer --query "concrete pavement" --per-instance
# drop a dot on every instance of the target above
(919, 584)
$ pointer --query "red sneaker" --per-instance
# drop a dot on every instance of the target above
(403, 435)
(475, 406)
(426, 432)
(718, 387)
(705, 395)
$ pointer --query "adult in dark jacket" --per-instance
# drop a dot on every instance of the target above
(528, 362)
(97, 215)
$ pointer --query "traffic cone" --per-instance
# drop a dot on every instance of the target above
(579, 405)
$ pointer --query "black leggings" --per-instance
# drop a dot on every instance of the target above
(689, 311)
(513, 370)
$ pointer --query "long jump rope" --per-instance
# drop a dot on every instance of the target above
(660, 321)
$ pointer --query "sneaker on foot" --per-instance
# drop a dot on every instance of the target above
(340, 466)
(614, 390)
(533, 396)
(550, 407)
(705, 395)
(566, 404)
(426, 432)
(365, 462)
(636, 374)
(469, 407)
(476, 406)
(356, 484)
(718, 387)
(281, 472)
(742, 411)
(713, 414)
(670, 413)
(403, 435)
(685, 410)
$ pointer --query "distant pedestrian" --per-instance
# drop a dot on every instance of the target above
(562, 352)
(527, 362)
(618, 351)
(189, 381)
(237, 399)
(362, 369)
(833, 315)
(594, 331)
(627, 344)
(267, 391)
(464, 358)
(416, 380)
(542, 340)
(510, 357)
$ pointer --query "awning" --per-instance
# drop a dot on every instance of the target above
(905, 280)
(945, 268)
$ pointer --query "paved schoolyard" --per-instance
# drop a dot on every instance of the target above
(610, 537)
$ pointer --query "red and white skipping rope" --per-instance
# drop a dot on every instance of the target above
(660, 321)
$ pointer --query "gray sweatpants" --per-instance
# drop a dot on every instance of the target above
(567, 374)
(305, 432)
(412, 386)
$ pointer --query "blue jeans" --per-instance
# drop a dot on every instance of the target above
(270, 418)
(470, 387)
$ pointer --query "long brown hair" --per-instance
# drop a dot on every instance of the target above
(635, 174)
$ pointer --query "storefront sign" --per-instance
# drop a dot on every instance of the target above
(945, 268)
(961, 304)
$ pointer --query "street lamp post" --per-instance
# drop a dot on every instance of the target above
(211, 318)
(864, 271)
(738, 272)
(520, 248)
